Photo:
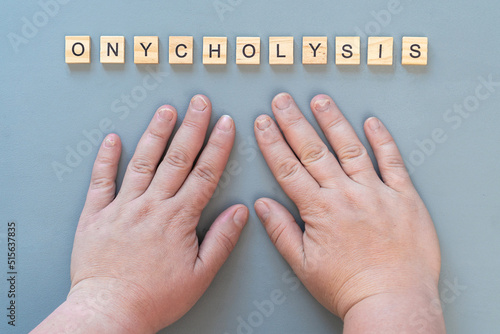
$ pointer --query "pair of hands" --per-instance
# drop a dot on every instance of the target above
(369, 252)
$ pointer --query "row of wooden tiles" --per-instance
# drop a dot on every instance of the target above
(281, 50)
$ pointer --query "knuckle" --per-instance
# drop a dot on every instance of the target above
(334, 123)
(277, 233)
(199, 200)
(101, 182)
(392, 162)
(317, 212)
(218, 144)
(179, 158)
(156, 135)
(142, 165)
(191, 125)
(398, 183)
(269, 138)
(398, 180)
(313, 153)
(292, 120)
(288, 169)
(144, 208)
(225, 242)
(352, 199)
(386, 142)
(205, 171)
(351, 152)
(104, 161)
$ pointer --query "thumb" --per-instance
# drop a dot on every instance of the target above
(283, 231)
(221, 239)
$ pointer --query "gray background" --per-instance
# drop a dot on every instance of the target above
(46, 105)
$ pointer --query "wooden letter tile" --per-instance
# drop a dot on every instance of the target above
(347, 50)
(280, 50)
(112, 49)
(146, 50)
(248, 50)
(314, 50)
(77, 50)
(214, 50)
(414, 51)
(180, 50)
(380, 50)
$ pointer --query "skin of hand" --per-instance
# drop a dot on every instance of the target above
(369, 251)
(137, 265)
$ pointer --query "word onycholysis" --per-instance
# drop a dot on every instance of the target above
(281, 50)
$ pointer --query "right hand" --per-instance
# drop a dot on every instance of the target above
(366, 240)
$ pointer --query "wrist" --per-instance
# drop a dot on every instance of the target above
(100, 306)
(412, 310)
(108, 309)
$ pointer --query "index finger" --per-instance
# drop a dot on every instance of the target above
(203, 179)
(306, 143)
(297, 183)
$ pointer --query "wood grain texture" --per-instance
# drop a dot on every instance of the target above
(415, 51)
(315, 50)
(347, 50)
(214, 50)
(180, 49)
(248, 50)
(281, 50)
(380, 51)
(143, 56)
(77, 49)
(112, 49)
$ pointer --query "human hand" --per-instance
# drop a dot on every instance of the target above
(136, 264)
(369, 250)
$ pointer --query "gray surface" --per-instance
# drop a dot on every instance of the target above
(46, 105)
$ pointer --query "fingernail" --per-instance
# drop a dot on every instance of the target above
(240, 217)
(282, 101)
(373, 123)
(263, 122)
(225, 123)
(165, 114)
(199, 103)
(109, 141)
(322, 104)
(262, 210)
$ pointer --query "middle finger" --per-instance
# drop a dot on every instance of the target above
(183, 150)
(305, 142)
